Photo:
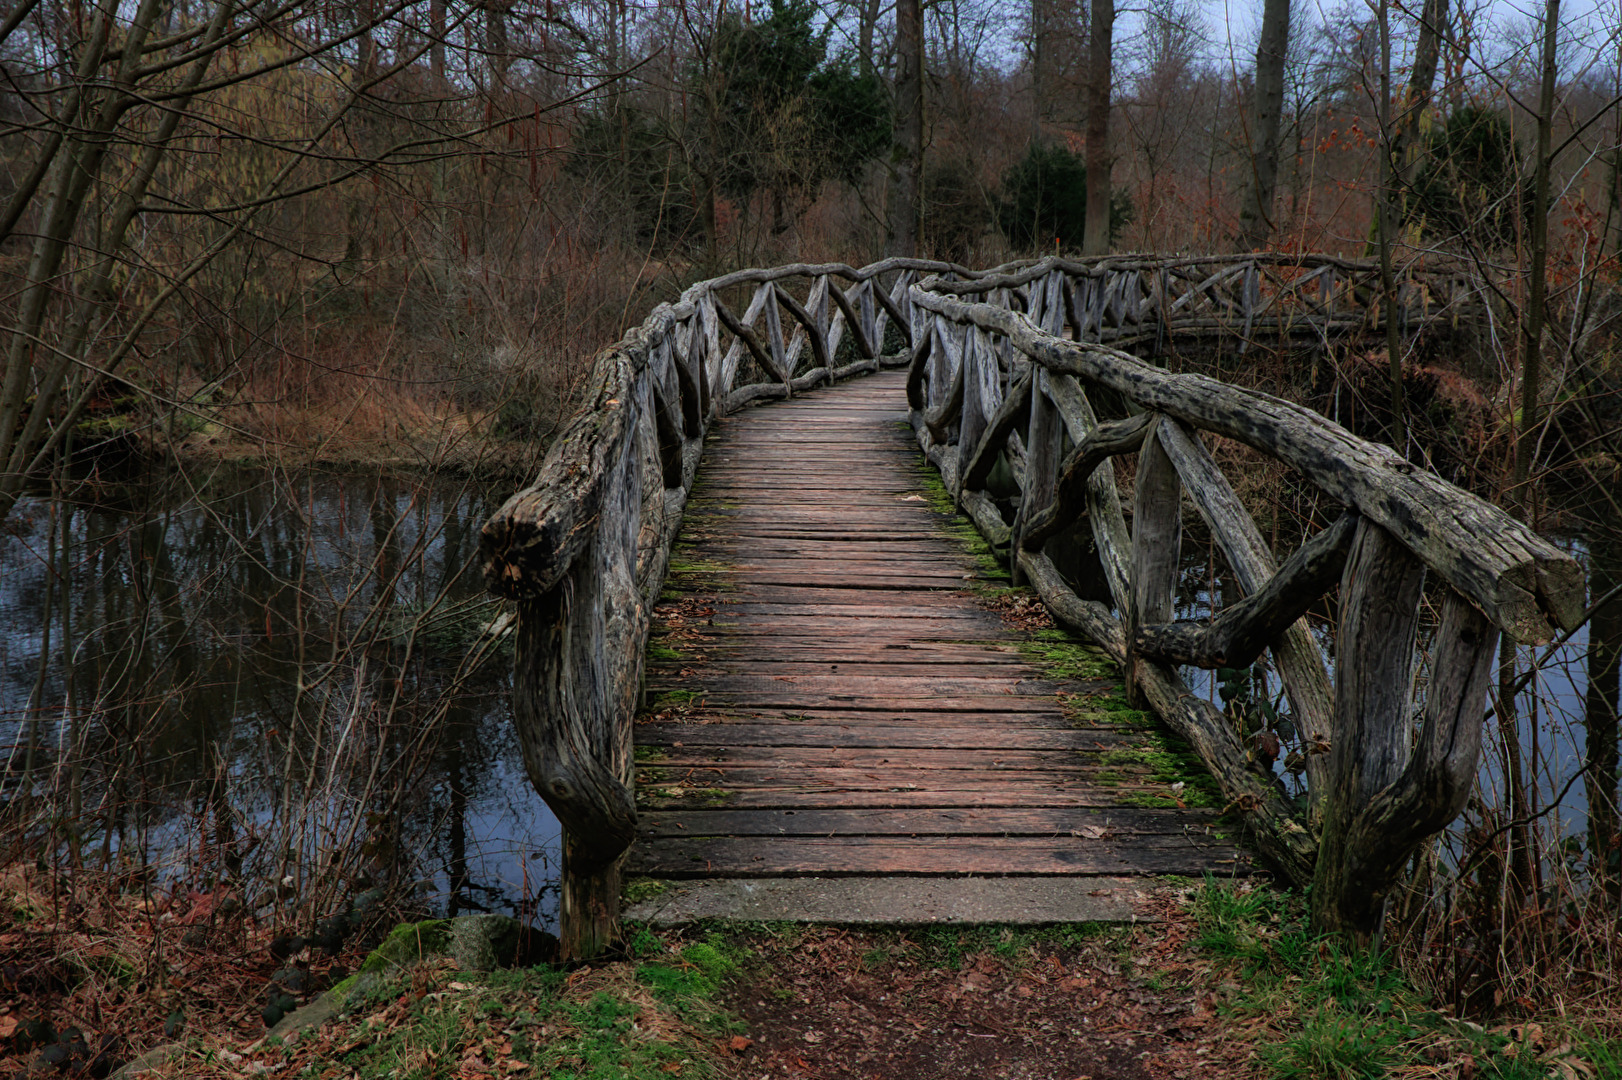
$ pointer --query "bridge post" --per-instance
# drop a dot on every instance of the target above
(1379, 617)
(1157, 531)
(1387, 796)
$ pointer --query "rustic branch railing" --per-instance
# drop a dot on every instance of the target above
(584, 549)
(1006, 381)
(996, 386)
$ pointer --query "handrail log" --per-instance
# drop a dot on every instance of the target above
(1237, 636)
(1524, 584)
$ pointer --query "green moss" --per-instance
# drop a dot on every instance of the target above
(407, 944)
(675, 699)
(1162, 759)
(1063, 657)
(639, 889)
(991, 564)
(663, 652)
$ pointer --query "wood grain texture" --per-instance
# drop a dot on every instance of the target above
(1525, 584)
(837, 681)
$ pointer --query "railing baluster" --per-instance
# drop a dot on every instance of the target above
(870, 326)
(774, 335)
(1300, 665)
(1157, 533)
(973, 420)
(1043, 445)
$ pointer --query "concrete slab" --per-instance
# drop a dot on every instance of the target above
(897, 901)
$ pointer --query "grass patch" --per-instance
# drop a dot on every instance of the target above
(1319, 1011)
(647, 1017)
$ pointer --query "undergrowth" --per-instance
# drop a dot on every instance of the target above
(651, 1015)
(1318, 1011)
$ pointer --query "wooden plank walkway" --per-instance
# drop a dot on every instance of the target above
(832, 696)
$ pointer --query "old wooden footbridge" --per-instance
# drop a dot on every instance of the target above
(835, 723)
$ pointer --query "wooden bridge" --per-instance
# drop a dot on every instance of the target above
(838, 722)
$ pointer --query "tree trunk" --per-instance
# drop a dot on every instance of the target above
(1256, 216)
(1374, 648)
(1039, 30)
(906, 160)
(1532, 317)
(1386, 226)
(1604, 671)
(1427, 52)
(1101, 42)
(436, 31)
(864, 35)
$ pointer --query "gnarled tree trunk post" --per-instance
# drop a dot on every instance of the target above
(1157, 532)
(1386, 798)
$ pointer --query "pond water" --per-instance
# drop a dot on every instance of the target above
(286, 679)
(269, 678)
(1550, 712)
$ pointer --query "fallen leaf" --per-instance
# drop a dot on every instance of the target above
(459, 986)
(8, 1025)
(738, 1044)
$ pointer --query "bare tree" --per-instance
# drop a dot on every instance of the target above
(1272, 49)
(1099, 160)
(906, 159)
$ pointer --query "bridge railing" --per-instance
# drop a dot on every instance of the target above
(583, 550)
(1004, 379)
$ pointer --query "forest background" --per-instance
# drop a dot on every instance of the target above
(392, 235)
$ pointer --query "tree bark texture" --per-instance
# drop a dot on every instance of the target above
(1157, 531)
(906, 161)
(1101, 43)
(1272, 48)
(1523, 583)
(1374, 830)
(1374, 648)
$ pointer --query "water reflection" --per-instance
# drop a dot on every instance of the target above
(291, 678)
(1554, 713)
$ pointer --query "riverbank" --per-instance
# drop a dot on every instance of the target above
(1215, 981)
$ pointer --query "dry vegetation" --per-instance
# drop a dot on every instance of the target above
(396, 233)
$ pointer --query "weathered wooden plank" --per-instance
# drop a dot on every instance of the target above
(696, 796)
(897, 735)
(1088, 823)
(810, 758)
(886, 855)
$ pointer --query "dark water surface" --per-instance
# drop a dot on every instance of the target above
(1550, 713)
(294, 678)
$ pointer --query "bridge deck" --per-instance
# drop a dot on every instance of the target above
(832, 696)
